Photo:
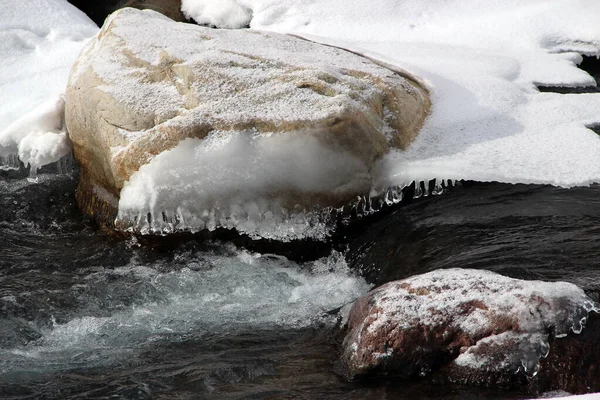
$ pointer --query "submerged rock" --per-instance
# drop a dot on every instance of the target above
(472, 326)
(184, 127)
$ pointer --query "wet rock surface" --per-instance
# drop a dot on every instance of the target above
(492, 226)
(473, 327)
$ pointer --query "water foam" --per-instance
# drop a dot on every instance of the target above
(218, 292)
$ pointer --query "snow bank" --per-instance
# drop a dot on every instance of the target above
(39, 41)
(482, 60)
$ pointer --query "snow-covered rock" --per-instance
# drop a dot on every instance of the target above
(194, 128)
(478, 326)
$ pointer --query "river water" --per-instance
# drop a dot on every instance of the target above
(87, 315)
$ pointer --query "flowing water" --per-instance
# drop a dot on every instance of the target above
(87, 315)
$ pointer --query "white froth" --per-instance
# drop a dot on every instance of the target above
(213, 293)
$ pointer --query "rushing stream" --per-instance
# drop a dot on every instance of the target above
(84, 314)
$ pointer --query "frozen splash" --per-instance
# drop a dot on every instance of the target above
(37, 138)
(266, 186)
(215, 292)
(270, 186)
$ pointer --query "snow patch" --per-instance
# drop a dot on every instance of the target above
(558, 394)
(443, 294)
(39, 42)
(218, 13)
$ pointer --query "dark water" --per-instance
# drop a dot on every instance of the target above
(591, 65)
(84, 314)
(522, 231)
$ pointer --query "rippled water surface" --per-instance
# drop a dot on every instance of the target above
(84, 314)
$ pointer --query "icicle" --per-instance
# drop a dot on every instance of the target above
(438, 187)
(32, 173)
(10, 162)
(65, 164)
(388, 196)
(418, 191)
(211, 224)
(397, 194)
(368, 205)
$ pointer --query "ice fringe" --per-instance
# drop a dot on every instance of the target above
(265, 219)
(37, 138)
(530, 347)
(11, 162)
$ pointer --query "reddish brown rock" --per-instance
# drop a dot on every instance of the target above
(474, 327)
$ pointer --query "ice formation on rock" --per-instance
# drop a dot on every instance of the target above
(39, 136)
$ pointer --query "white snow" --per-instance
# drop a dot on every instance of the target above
(481, 60)
(39, 41)
(218, 13)
(39, 135)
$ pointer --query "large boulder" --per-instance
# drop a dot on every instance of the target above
(184, 127)
(474, 327)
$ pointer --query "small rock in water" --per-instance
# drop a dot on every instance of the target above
(473, 326)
